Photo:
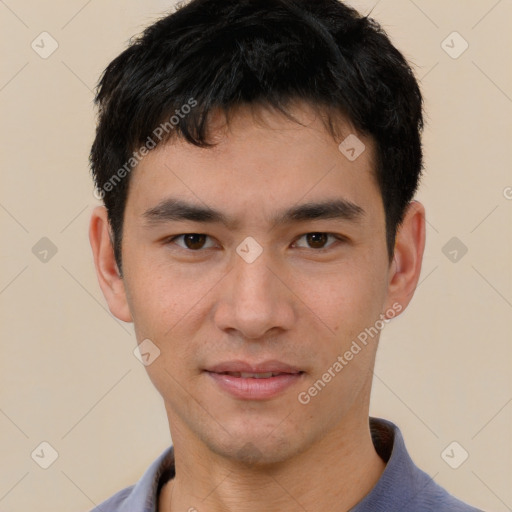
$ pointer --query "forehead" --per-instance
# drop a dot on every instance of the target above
(261, 159)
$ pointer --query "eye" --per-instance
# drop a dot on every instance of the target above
(318, 241)
(197, 241)
(191, 241)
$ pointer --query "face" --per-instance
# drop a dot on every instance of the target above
(254, 266)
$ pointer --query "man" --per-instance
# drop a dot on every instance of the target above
(258, 161)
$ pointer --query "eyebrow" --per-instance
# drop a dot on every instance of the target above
(177, 210)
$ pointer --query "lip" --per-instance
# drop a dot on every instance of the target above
(251, 388)
(262, 367)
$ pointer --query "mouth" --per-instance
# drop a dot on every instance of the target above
(254, 381)
(249, 375)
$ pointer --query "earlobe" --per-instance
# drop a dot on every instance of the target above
(408, 256)
(107, 271)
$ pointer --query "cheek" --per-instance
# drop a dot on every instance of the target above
(346, 299)
(168, 307)
(164, 307)
(161, 294)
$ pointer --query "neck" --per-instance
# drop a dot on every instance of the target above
(333, 474)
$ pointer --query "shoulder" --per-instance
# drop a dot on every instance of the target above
(143, 496)
(115, 502)
(403, 486)
(430, 497)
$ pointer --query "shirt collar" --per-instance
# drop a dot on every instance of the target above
(143, 495)
(400, 474)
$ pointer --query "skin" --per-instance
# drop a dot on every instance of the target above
(293, 303)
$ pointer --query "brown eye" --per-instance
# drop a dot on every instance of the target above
(192, 241)
(317, 240)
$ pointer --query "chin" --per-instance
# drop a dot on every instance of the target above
(256, 449)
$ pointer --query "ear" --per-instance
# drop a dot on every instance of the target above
(405, 268)
(109, 278)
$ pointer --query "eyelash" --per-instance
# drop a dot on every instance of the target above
(338, 238)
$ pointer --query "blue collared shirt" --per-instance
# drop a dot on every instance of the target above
(402, 487)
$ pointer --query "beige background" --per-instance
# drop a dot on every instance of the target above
(68, 375)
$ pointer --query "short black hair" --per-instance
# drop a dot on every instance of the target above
(216, 55)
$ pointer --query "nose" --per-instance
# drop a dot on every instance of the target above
(255, 299)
